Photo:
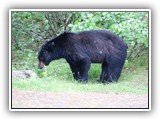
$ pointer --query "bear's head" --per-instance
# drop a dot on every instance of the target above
(46, 54)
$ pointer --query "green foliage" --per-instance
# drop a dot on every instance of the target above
(30, 29)
(27, 30)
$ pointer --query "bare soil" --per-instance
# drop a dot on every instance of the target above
(35, 99)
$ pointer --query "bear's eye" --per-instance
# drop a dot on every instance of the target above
(45, 52)
(41, 59)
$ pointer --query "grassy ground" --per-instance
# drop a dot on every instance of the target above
(134, 79)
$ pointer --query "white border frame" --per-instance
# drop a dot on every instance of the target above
(79, 109)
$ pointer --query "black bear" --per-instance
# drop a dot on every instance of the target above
(86, 47)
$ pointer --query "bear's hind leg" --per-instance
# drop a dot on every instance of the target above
(110, 73)
(114, 72)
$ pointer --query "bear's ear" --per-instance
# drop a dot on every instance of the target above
(51, 46)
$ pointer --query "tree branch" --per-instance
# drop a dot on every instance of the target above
(67, 22)
(47, 17)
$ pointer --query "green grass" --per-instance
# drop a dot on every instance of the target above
(134, 79)
(66, 86)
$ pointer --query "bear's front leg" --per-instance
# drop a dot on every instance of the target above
(84, 68)
(74, 69)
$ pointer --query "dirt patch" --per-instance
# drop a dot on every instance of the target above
(34, 99)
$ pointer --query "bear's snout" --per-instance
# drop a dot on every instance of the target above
(40, 65)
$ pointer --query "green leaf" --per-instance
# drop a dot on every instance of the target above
(132, 43)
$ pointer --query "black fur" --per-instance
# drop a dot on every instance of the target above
(86, 47)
